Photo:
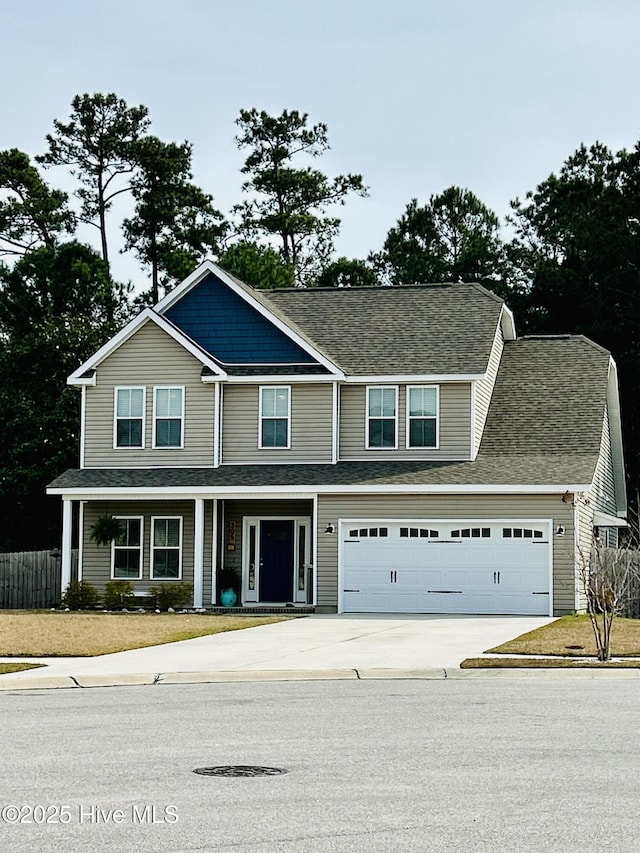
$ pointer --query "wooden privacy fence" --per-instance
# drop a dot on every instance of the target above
(31, 579)
(623, 566)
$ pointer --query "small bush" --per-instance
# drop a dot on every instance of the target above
(172, 595)
(118, 594)
(80, 595)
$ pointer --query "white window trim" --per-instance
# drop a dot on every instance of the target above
(142, 388)
(368, 418)
(155, 417)
(261, 417)
(435, 446)
(152, 547)
(140, 518)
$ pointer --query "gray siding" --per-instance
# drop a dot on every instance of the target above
(96, 561)
(603, 490)
(311, 425)
(584, 546)
(455, 425)
(484, 389)
(331, 508)
(148, 358)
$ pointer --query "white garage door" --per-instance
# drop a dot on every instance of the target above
(433, 567)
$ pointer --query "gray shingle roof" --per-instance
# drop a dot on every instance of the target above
(424, 329)
(549, 398)
(522, 469)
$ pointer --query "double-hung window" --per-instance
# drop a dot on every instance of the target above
(129, 420)
(168, 417)
(166, 548)
(422, 416)
(275, 417)
(126, 550)
(382, 417)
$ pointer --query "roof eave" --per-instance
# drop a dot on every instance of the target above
(121, 337)
(135, 492)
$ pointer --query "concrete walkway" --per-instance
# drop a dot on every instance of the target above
(312, 647)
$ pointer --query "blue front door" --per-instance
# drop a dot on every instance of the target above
(276, 560)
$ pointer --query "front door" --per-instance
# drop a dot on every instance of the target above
(276, 560)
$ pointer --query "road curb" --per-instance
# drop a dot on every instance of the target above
(48, 682)
(239, 676)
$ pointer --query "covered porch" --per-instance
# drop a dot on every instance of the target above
(264, 548)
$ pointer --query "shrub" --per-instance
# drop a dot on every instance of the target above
(118, 594)
(172, 595)
(80, 595)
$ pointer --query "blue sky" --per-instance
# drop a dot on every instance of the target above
(491, 95)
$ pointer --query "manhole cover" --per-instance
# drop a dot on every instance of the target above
(240, 770)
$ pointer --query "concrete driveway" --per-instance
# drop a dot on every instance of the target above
(316, 645)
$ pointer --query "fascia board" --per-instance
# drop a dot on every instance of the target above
(209, 267)
(177, 292)
(604, 519)
(615, 428)
(508, 324)
(148, 315)
(400, 378)
(265, 378)
(75, 493)
(84, 380)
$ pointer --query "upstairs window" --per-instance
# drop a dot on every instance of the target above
(382, 417)
(422, 416)
(168, 414)
(275, 416)
(126, 550)
(129, 420)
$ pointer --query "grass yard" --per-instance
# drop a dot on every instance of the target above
(569, 642)
(46, 634)
(18, 667)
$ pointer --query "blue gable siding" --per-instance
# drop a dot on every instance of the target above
(229, 329)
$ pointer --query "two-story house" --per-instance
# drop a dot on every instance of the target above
(352, 450)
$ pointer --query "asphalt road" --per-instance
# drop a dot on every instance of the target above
(539, 763)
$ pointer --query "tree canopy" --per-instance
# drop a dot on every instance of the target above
(97, 145)
(454, 237)
(32, 214)
(57, 306)
(347, 272)
(289, 203)
(174, 225)
(259, 266)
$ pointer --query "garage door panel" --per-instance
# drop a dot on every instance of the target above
(437, 567)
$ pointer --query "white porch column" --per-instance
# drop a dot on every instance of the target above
(214, 554)
(198, 552)
(67, 518)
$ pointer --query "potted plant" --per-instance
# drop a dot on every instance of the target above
(228, 583)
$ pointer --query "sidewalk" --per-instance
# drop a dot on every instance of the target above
(318, 647)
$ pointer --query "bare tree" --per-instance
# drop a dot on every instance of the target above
(610, 580)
